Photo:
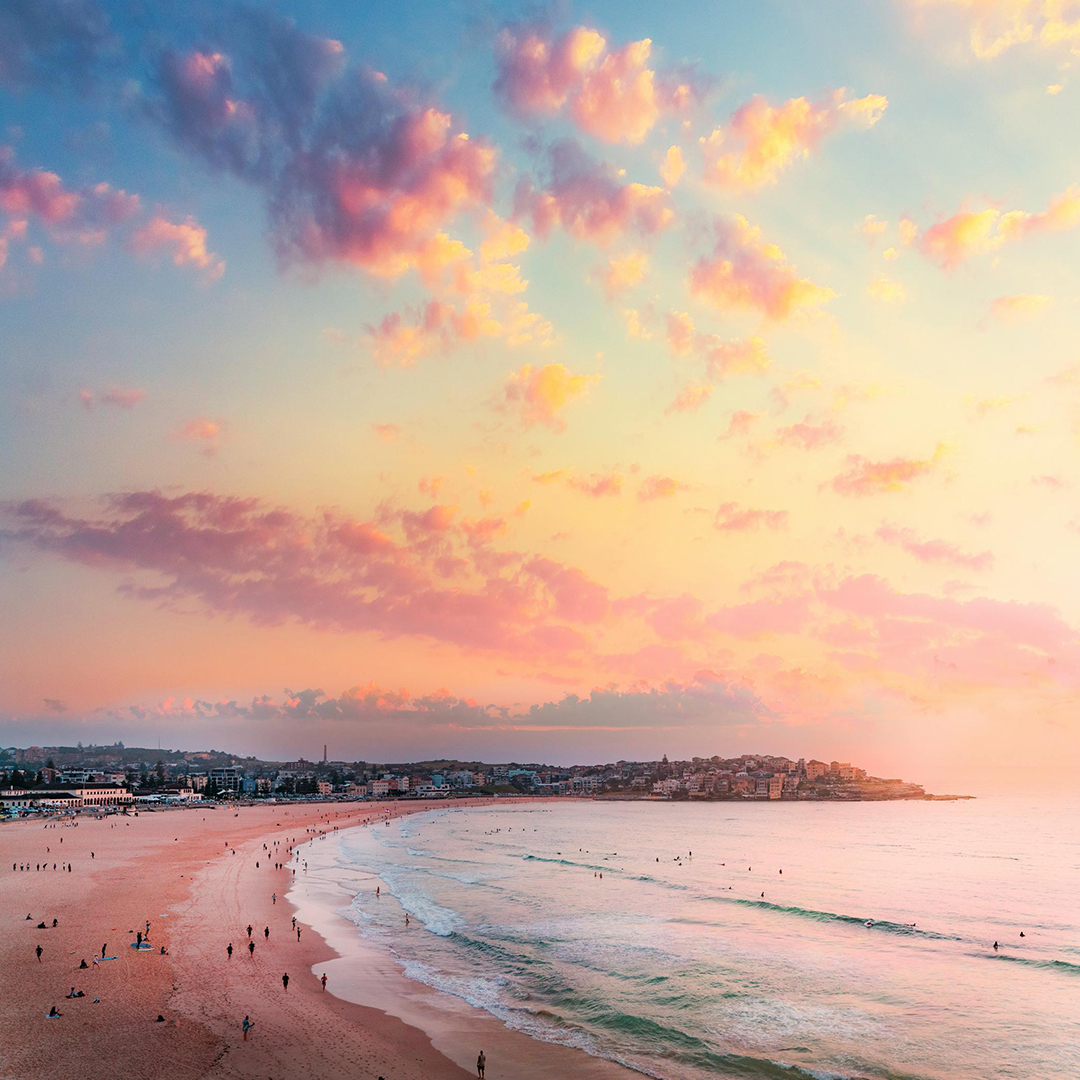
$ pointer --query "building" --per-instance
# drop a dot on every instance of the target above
(67, 798)
(815, 769)
(769, 787)
(227, 778)
(324, 787)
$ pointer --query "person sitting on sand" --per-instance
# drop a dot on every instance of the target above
(82, 965)
(53, 1012)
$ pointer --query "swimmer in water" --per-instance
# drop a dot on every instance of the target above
(996, 946)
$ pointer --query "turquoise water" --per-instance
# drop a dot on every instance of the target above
(681, 969)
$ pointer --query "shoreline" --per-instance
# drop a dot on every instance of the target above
(364, 974)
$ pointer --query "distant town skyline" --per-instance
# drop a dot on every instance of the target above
(554, 384)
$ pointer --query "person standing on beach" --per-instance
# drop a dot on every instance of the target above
(298, 933)
(39, 950)
(103, 948)
(266, 933)
(247, 1025)
(249, 929)
(285, 981)
(481, 1063)
(251, 948)
(323, 981)
(229, 950)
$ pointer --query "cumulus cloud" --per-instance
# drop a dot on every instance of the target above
(205, 432)
(745, 272)
(1000, 25)
(864, 477)
(184, 242)
(82, 215)
(352, 171)
(612, 94)
(967, 233)
(706, 699)
(539, 394)
(673, 166)
(768, 139)
(591, 201)
(624, 273)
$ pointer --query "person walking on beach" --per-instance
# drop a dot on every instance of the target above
(39, 950)
(229, 950)
(266, 933)
(285, 981)
(249, 929)
(247, 1025)
(481, 1063)
(251, 948)
(323, 981)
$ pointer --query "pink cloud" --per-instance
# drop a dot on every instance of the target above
(591, 201)
(809, 436)
(730, 517)
(680, 333)
(204, 430)
(184, 242)
(540, 394)
(577, 597)
(658, 487)
(768, 139)
(119, 396)
(690, 399)
(386, 432)
(864, 477)
(736, 357)
(353, 170)
(612, 95)
(933, 552)
(595, 486)
(744, 272)
(739, 424)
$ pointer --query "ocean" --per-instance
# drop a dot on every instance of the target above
(729, 939)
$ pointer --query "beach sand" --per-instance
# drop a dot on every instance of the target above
(177, 869)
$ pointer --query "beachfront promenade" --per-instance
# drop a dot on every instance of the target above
(177, 870)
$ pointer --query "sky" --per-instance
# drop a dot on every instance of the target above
(565, 383)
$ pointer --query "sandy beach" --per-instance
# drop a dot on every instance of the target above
(200, 877)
